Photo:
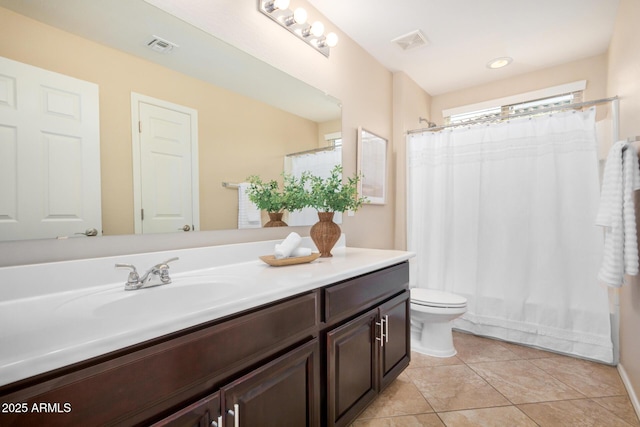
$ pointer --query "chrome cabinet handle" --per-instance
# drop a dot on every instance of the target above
(217, 423)
(381, 338)
(386, 328)
(235, 413)
(187, 227)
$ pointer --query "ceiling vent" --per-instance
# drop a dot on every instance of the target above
(161, 45)
(413, 40)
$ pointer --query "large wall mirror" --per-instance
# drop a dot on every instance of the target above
(251, 116)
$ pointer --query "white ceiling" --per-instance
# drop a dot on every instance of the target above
(464, 35)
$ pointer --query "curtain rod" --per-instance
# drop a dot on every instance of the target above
(528, 113)
(313, 150)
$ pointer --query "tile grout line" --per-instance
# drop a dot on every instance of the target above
(519, 356)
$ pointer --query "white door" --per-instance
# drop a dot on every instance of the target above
(49, 154)
(167, 173)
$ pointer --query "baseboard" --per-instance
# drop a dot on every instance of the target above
(632, 394)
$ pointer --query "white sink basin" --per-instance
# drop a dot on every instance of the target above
(185, 295)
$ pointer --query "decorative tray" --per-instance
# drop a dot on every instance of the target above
(272, 260)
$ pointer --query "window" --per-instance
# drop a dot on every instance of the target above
(334, 139)
(510, 110)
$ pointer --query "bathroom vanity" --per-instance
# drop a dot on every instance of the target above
(254, 345)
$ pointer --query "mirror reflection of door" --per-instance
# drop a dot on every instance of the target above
(49, 154)
(165, 166)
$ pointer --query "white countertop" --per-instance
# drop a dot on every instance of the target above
(64, 321)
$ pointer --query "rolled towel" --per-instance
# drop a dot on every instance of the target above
(297, 252)
(284, 249)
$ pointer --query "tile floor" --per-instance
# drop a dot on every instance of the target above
(493, 383)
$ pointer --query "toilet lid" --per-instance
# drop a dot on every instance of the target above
(433, 298)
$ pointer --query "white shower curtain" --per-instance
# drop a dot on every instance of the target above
(503, 214)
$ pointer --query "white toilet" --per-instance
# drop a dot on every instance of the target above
(432, 312)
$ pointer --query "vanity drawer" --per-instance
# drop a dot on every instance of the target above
(132, 385)
(355, 295)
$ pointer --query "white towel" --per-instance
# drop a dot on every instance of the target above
(298, 252)
(284, 249)
(248, 212)
(616, 214)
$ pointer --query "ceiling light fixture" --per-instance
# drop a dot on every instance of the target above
(499, 62)
(296, 22)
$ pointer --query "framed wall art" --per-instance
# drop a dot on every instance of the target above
(372, 166)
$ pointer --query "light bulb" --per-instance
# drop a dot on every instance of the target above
(317, 28)
(300, 16)
(499, 62)
(332, 39)
(281, 4)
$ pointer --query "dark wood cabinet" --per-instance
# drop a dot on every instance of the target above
(204, 413)
(395, 354)
(317, 358)
(363, 356)
(351, 368)
(283, 393)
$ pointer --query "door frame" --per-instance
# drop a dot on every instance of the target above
(136, 98)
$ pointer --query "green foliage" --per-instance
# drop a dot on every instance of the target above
(324, 194)
(294, 194)
(267, 195)
(331, 194)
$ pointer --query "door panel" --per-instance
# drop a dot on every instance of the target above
(396, 351)
(167, 196)
(49, 154)
(351, 361)
(283, 393)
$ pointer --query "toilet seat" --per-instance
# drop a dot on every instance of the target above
(434, 298)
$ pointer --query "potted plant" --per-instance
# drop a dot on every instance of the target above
(327, 196)
(268, 197)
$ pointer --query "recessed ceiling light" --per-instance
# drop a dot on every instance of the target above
(499, 62)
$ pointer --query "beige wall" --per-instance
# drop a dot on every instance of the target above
(237, 136)
(410, 103)
(624, 81)
(325, 128)
(593, 69)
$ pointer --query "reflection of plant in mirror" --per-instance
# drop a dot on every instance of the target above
(294, 194)
(267, 195)
(331, 194)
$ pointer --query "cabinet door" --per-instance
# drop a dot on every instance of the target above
(351, 368)
(283, 393)
(395, 350)
(203, 413)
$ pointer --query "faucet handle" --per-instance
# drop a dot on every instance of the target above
(134, 277)
(165, 265)
(163, 269)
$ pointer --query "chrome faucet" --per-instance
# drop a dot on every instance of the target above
(155, 276)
